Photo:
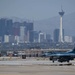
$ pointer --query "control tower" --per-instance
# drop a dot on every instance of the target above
(61, 28)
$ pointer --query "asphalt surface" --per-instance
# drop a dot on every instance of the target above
(35, 66)
(32, 61)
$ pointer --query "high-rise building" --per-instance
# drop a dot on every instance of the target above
(6, 38)
(22, 34)
(48, 38)
(5, 27)
(68, 39)
(3, 24)
(30, 31)
(36, 36)
(61, 28)
(17, 39)
(41, 37)
(56, 35)
(11, 38)
(9, 27)
(16, 28)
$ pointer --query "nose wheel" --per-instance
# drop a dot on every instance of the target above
(53, 61)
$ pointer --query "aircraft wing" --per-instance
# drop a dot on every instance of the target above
(60, 54)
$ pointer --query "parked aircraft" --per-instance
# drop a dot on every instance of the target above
(61, 56)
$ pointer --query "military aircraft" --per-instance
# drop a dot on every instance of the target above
(61, 56)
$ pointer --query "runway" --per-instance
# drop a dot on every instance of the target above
(21, 63)
(32, 61)
(32, 66)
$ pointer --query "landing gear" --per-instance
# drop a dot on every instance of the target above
(53, 61)
(68, 61)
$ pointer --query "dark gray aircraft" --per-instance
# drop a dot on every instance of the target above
(61, 57)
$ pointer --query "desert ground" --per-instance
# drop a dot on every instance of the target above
(32, 66)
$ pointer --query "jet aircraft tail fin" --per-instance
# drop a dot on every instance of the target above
(73, 51)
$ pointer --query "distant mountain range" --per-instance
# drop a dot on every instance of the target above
(48, 25)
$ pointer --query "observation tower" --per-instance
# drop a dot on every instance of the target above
(61, 28)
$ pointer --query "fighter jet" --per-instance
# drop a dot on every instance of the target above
(61, 56)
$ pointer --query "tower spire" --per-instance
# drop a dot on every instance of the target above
(61, 28)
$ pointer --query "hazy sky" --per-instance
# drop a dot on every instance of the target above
(35, 9)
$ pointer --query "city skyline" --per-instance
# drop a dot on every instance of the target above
(15, 31)
(36, 10)
(23, 32)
